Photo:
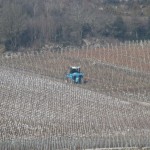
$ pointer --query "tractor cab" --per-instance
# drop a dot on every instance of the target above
(74, 70)
(75, 75)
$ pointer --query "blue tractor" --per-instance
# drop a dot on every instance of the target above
(74, 75)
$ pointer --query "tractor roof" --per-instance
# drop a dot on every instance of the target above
(75, 67)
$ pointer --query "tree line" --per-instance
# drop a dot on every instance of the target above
(24, 23)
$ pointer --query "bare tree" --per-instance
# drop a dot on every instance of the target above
(12, 23)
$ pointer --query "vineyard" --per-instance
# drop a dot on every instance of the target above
(40, 111)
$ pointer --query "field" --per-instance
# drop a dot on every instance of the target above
(38, 110)
(129, 55)
(104, 74)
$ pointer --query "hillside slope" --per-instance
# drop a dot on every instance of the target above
(32, 107)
